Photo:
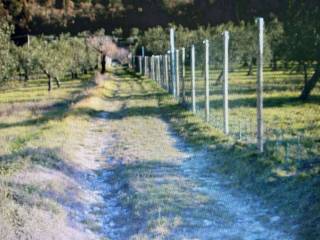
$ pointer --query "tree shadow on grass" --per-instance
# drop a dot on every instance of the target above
(128, 74)
(268, 102)
(149, 186)
(199, 133)
(56, 111)
(52, 165)
(45, 157)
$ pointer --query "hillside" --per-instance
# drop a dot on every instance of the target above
(55, 16)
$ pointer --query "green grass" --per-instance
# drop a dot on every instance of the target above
(150, 184)
(40, 129)
(292, 187)
(37, 133)
(291, 125)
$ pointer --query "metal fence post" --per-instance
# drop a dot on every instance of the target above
(173, 62)
(207, 113)
(143, 62)
(146, 66)
(140, 65)
(260, 132)
(177, 75)
(226, 82)
(183, 61)
(193, 78)
(169, 72)
(155, 68)
(166, 72)
(132, 62)
(158, 71)
(152, 68)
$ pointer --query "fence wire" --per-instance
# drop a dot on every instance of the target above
(283, 139)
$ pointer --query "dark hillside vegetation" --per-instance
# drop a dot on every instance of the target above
(292, 25)
(55, 16)
(91, 146)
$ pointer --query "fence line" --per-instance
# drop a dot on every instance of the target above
(199, 77)
(207, 86)
(260, 137)
(193, 79)
(225, 83)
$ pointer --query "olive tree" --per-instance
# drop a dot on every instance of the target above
(303, 40)
(156, 40)
(275, 36)
(7, 61)
(25, 61)
(52, 57)
(105, 46)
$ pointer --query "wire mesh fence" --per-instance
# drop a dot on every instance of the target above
(232, 100)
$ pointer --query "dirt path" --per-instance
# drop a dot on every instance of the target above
(147, 183)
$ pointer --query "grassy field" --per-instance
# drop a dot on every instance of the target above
(288, 172)
(290, 187)
(162, 199)
(40, 132)
(39, 135)
(291, 126)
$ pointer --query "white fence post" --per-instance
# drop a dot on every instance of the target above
(166, 72)
(155, 68)
(146, 66)
(132, 61)
(158, 71)
(152, 68)
(260, 132)
(207, 111)
(169, 70)
(183, 61)
(177, 75)
(193, 78)
(173, 62)
(140, 65)
(226, 82)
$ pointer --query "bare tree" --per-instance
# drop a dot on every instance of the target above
(106, 47)
(123, 55)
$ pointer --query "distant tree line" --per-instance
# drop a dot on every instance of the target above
(55, 16)
(55, 56)
(292, 31)
(294, 43)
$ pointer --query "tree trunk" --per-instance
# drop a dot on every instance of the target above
(274, 64)
(49, 83)
(286, 65)
(250, 70)
(220, 78)
(26, 76)
(310, 84)
(305, 71)
(49, 79)
(299, 67)
(57, 82)
(103, 63)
